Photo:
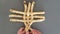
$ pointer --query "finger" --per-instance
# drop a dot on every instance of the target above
(27, 32)
(34, 31)
(19, 33)
(21, 29)
(30, 32)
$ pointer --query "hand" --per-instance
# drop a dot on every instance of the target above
(33, 31)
